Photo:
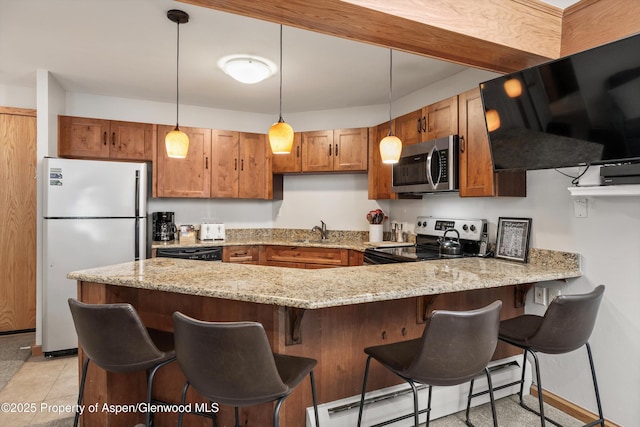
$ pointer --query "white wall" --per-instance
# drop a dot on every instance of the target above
(607, 239)
(17, 96)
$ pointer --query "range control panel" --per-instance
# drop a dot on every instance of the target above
(469, 229)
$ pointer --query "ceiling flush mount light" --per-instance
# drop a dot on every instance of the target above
(176, 141)
(493, 120)
(280, 133)
(246, 68)
(390, 146)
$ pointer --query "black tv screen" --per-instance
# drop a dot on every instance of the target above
(579, 110)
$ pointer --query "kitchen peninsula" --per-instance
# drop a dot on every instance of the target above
(329, 314)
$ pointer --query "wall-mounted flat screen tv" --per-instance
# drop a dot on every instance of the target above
(580, 110)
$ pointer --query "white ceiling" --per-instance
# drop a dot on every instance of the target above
(127, 48)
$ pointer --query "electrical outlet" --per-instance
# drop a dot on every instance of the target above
(540, 295)
(553, 293)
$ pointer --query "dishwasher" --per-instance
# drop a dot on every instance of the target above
(209, 253)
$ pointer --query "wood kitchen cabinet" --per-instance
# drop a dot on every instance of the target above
(477, 177)
(88, 138)
(379, 177)
(305, 257)
(188, 177)
(430, 122)
(241, 165)
(242, 254)
(335, 150)
(219, 164)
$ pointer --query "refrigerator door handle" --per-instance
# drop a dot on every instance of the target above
(136, 240)
(137, 201)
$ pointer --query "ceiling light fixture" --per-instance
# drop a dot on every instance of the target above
(246, 68)
(177, 142)
(280, 133)
(390, 146)
(513, 87)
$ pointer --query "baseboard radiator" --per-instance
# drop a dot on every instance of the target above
(396, 401)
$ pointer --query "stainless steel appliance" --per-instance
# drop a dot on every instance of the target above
(199, 253)
(94, 214)
(164, 227)
(430, 234)
(427, 167)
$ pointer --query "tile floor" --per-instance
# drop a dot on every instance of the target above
(50, 384)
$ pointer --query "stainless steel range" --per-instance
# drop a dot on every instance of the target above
(430, 234)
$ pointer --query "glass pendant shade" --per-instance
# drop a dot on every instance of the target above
(493, 120)
(281, 137)
(177, 144)
(390, 149)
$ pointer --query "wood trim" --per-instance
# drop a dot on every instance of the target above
(18, 111)
(568, 407)
(36, 351)
(613, 19)
(454, 31)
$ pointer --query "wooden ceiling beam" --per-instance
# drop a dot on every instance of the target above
(496, 35)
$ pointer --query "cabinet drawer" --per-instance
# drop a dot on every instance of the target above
(307, 255)
(241, 254)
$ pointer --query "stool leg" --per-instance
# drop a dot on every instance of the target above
(183, 398)
(491, 397)
(524, 367)
(85, 365)
(236, 416)
(416, 409)
(276, 412)
(150, 378)
(364, 389)
(428, 409)
(469, 399)
(313, 394)
(540, 400)
(595, 384)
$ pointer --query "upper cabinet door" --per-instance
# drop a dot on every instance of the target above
(225, 163)
(317, 151)
(410, 128)
(131, 141)
(350, 149)
(188, 177)
(292, 162)
(442, 118)
(83, 138)
(254, 173)
(476, 167)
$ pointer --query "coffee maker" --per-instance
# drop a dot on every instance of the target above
(164, 228)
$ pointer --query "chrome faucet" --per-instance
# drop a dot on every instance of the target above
(322, 229)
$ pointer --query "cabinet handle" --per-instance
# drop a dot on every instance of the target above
(242, 164)
(462, 143)
(235, 164)
(206, 162)
(336, 151)
(329, 149)
(298, 151)
(113, 139)
(419, 126)
(104, 138)
(424, 123)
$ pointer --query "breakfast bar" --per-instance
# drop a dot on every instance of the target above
(330, 315)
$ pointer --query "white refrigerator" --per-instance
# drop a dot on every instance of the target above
(94, 214)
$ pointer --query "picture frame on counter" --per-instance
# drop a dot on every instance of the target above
(512, 242)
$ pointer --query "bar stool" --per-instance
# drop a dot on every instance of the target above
(566, 326)
(232, 363)
(454, 348)
(114, 338)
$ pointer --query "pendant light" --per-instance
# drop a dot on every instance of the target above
(280, 133)
(390, 146)
(176, 141)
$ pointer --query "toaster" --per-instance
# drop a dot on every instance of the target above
(211, 232)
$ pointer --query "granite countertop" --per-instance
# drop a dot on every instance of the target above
(356, 240)
(314, 289)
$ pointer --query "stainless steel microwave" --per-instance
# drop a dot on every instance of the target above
(427, 167)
